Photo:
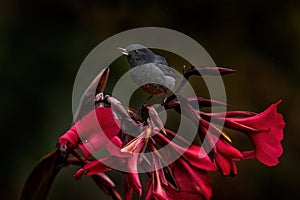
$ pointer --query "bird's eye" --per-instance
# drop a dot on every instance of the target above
(136, 51)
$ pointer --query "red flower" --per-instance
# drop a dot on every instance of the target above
(175, 168)
(225, 156)
(97, 126)
(223, 153)
(187, 176)
(127, 157)
(193, 183)
(189, 181)
(188, 172)
(265, 131)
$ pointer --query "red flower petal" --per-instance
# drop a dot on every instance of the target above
(225, 157)
(109, 124)
(157, 188)
(224, 153)
(267, 140)
(114, 147)
(133, 175)
(71, 137)
(191, 154)
(193, 183)
(94, 143)
(148, 195)
(100, 121)
(127, 190)
(204, 163)
(94, 167)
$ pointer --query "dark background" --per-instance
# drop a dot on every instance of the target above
(43, 43)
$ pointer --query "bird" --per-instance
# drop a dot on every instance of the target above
(150, 71)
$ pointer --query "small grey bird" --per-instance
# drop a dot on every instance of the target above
(150, 71)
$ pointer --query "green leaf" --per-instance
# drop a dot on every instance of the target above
(38, 183)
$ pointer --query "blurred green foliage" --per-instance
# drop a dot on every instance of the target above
(42, 44)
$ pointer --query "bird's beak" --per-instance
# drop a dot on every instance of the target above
(124, 51)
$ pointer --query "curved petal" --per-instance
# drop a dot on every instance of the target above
(267, 141)
(94, 167)
(100, 121)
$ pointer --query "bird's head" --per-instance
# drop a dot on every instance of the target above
(138, 55)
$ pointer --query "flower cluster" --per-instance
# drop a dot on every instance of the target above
(135, 140)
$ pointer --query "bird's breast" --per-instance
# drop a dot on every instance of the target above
(154, 89)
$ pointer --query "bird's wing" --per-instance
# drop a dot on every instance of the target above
(161, 60)
(151, 73)
(170, 82)
(168, 71)
(162, 63)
